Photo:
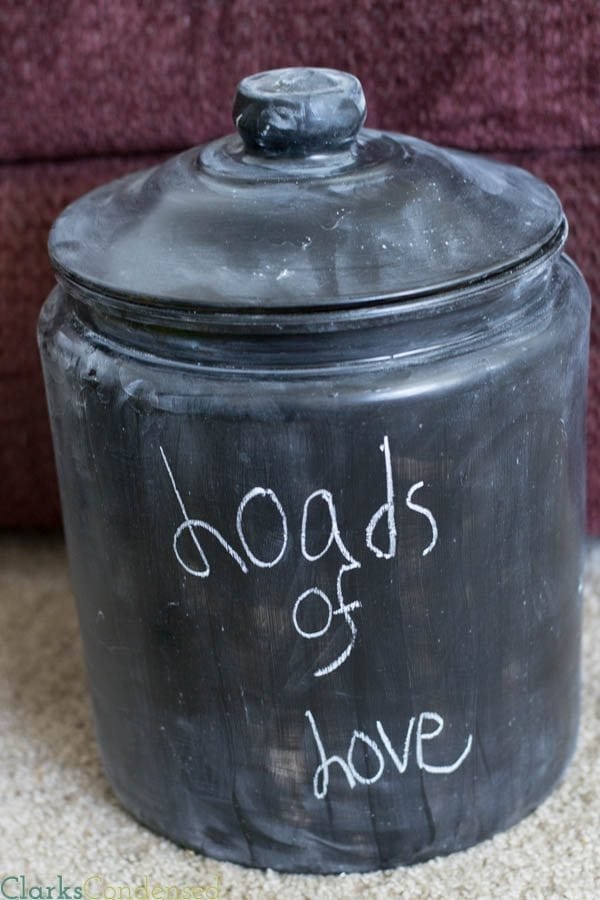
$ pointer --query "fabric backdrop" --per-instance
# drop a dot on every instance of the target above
(90, 90)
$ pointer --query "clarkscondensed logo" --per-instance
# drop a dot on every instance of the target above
(15, 887)
(97, 887)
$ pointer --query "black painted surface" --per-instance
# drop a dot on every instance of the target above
(201, 685)
(297, 112)
(300, 210)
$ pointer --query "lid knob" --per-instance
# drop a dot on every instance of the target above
(298, 111)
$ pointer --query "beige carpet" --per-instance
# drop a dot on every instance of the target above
(58, 815)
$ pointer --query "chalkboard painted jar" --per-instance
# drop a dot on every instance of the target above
(317, 396)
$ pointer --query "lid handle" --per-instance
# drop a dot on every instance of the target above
(299, 111)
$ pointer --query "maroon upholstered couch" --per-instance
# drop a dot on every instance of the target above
(90, 90)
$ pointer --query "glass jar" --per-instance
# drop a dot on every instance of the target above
(318, 398)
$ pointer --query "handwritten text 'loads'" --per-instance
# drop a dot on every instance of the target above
(198, 529)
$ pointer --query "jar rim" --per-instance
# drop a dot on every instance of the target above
(189, 315)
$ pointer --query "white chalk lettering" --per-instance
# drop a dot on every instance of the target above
(312, 548)
(400, 764)
(317, 593)
(191, 526)
(321, 777)
(314, 614)
(334, 530)
(429, 736)
(348, 767)
(424, 512)
(350, 563)
(386, 509)
(344, 609)
(262, 492)
(369, 742)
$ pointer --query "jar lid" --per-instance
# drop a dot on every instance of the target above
(304, 208)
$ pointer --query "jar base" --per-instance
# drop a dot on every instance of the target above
(238, 850)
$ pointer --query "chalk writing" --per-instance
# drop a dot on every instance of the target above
(261, 492)
(191, 526)
(378, 753)
(424, 512)
(317, 593)
(348, 766)
(386, 509)
(344, 609)
(198, 528)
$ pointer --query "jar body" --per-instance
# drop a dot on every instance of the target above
(330, 607)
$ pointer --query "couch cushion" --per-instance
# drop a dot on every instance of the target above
(82, 79)
(88, 78)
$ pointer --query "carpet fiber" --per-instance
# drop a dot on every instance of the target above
(59, 818)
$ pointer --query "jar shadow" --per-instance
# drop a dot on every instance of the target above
(43, 694)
